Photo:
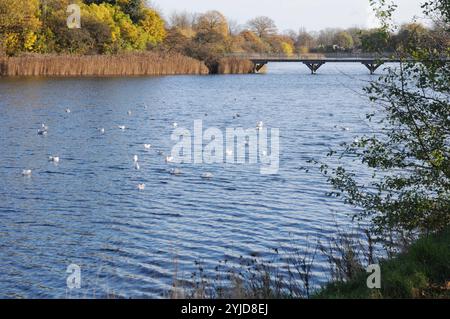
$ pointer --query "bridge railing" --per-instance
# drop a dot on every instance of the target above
(256, 56)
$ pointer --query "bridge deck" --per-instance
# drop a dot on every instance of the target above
(355, 60)
(314, 62)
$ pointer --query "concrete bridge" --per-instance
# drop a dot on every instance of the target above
(315, 61)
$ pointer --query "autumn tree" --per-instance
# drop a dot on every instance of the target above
(344, 40)
(262, 26)
(212, 22)
(19, 25)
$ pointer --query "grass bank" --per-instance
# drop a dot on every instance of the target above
(421, 271)
(135, 64)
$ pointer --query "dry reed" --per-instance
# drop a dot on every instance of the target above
(135, 64)
(234, 65)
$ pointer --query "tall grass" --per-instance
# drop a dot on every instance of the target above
(135, 64)
(235, 65)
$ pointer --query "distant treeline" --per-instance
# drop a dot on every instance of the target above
(123, 26)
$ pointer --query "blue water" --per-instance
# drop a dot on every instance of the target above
(86, 210)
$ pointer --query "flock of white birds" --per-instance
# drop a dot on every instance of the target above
(43, 131)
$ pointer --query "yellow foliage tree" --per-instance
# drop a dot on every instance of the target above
(19, 24)
(287, 48)
(153, 26)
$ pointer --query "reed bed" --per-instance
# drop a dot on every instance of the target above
(136, 64)
(235, 65)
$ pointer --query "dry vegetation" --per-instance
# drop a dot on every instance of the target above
(235, 66)
(101, 65)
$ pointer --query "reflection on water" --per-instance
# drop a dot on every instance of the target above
(87, 210)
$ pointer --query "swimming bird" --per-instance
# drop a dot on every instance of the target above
(54, 159)
(129, 112)
(42, 132)
(147, 146)
(137, 166)
(135, 158)
(169, 159)
(44, 127)
(175, 125)
(207, 175)
(26, 172)
(68, 111)
(175, 171)
(122, 127)
(102, 130)
(259, 125)
(141, 187)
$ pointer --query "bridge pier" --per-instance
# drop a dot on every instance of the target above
(372, 66)
(314, 65)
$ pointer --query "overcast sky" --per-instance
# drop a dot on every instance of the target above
(293, 14)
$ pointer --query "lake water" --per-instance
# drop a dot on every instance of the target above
(87, 210)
